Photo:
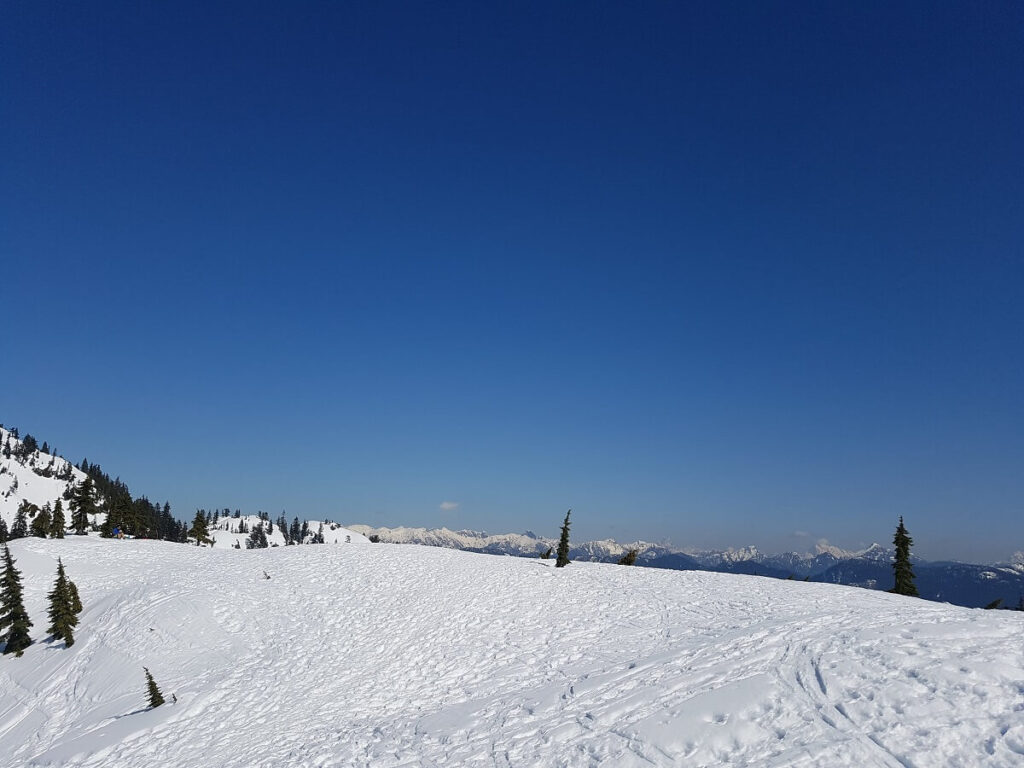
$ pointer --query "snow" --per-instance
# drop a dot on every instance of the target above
(225, 532)
(397, 655)
(20, 481)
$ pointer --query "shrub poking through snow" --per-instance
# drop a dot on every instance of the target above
(630, 558)
(153, 691)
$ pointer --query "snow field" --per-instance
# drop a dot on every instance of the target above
(390, 655)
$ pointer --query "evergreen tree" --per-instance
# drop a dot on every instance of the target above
(546, 554)
(904, 574)
(630, 558)
(257, 539)
(41, 524)
(20, 528)
(82, 505)
(57, 521)
(155, 697)
(14, 621)
(198, 530)
(63, 617)
(562, 558)
(76, 601)
(4, 533)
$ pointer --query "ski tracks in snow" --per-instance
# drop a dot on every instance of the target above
(389, 656)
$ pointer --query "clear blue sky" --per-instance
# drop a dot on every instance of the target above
(721, 274)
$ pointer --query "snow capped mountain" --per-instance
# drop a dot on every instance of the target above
(29, 474)
(385, 656)
(234, 531)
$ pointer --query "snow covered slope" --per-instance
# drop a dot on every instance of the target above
(415, 656)
(39, 477)
(229, 531)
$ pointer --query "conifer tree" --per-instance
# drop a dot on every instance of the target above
(76, 601)
(903, 573)
(82, 505)
(257, 539)
(155, 697)
(14, 621)
(198, 531)
(63, 617)
(562, 558)
(4, 533)
(20, 528)
(546, 554)
(41, 524)
(57, 521)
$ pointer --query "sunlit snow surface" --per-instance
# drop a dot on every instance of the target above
(388, 655)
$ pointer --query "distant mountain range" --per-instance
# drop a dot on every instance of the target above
(971, 585)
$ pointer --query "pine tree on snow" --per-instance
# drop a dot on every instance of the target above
(155, 697)
(41, 524)
(4, 533)
(20, 528)
(57, 521)
(902, 571)
(14, 621)
(82, 505)
(562, 558)
(199, 531)
(63, 617)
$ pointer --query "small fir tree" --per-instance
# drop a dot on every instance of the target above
(155, 697)
(4, 533)
(14, 621)
(20, 528)
(546, 554)
(902, 571)
(198, 531)
(76, 601)
(62, 613)
(57, 521)
(630, 558)
(562, 558)
(41, 524)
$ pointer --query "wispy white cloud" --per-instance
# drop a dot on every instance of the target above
(801, 534)
(448, 506)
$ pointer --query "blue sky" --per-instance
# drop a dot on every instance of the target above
(725, 275)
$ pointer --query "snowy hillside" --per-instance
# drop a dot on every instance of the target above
(37, 477)
(414, 656)
(232, 531)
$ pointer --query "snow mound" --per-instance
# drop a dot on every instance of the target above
(391, 656)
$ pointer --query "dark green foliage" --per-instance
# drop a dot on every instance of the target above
(994, 604)
(257, 539)
(546, 554)
(41, 524)
(62, 613)
(14, 621)
(20, 528)
(4, 533)
(155, 697)
(562, 558)
(76, 601)
(629, 558)
(198, 530)
(57, 521)
(374, 538)
(83, 504)
(902, 571)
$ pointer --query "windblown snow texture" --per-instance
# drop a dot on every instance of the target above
(374, 655)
